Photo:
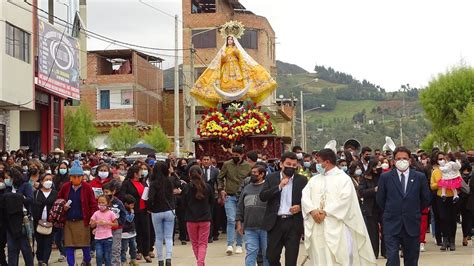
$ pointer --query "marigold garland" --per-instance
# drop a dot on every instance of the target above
(235, 123)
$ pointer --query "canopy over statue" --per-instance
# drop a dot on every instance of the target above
(233, 75)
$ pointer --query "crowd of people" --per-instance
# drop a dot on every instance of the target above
(342, 204)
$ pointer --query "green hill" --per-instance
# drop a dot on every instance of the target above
(353, 109)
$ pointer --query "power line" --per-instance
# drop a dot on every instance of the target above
(97, 35)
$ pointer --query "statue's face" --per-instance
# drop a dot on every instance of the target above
(230, 41)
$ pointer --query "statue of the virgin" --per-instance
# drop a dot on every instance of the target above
(233, 75)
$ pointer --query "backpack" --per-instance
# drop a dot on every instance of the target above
(57, 215)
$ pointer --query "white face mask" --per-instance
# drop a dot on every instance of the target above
(103, 174)
(358, 172)
(4, 159)
(441, 162)
(47, 172)
(87, 173)
(56, 156)
(48, 184)
(402, 165)
(299, 155)
(385, 166)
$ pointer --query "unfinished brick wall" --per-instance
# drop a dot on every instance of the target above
(168, 113)
(264, 55)
(145, 79)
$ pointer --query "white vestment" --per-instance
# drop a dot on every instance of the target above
(342, 238)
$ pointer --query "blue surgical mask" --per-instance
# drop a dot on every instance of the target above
(62, 171)
(306, 164)
(8, 182)
(320, 169)
(344, 168)
(144, 173)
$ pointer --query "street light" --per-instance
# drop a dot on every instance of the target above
(303, 124)
(68, 12)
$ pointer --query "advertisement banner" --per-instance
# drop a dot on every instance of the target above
(58, 61)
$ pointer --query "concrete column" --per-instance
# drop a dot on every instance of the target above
(14, 130)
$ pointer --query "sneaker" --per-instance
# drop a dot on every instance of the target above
(61, 258)
(422, 247)
(455, 199)
(238, 250)
(229, 250)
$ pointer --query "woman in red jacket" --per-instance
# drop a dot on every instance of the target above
(103, 175)
(81, 204)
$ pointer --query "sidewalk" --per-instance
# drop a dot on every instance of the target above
(183, 255)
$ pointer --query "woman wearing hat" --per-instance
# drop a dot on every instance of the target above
(79, 209)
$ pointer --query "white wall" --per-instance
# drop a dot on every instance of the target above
(16, 76)
(116, 96)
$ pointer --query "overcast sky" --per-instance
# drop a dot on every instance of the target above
(386, 42)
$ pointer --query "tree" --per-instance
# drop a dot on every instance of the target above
(79, 130)
(157, 138)
(466, 126)
(445, 97)
(123, 137)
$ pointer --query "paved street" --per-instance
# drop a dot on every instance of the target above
(183, 255)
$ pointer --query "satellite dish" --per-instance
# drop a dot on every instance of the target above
(332, 144)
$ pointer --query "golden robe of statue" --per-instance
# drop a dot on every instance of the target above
(232, 76)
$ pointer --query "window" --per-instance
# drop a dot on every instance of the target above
(17, 43)
(105, 99)
(203, 6)
(198, 72)
(250, 39)
(126, 97)
(204, 38)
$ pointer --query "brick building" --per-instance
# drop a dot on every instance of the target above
(123, 86)
(201, 18)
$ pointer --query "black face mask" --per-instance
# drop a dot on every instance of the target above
(236, 159)
(289, 171)
(254, 179)
(33, 171)
(367, 158)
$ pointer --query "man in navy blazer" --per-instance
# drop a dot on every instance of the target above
(402, 193)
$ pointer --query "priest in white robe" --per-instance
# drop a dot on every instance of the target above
(334, 230)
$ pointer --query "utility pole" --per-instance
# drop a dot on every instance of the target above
(293, 120)
(176, 89)
(303, 144)
(192, 117)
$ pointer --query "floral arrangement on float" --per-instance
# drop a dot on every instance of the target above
(237, 121)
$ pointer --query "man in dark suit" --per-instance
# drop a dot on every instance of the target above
(283, 220)
(402, 194)
(209, 175)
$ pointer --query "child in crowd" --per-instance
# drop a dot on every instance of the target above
(128, 233)
(103, 220)
(451, 178)
(116, 206)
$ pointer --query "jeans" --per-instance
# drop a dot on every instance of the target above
(58, 239)
(43, 249)
(230, 206)
(116, 246)
(86, 255)
(163, 223)
(103, 251)
(14, 246)
(128, 243)
(255, 239)
(199, 234)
